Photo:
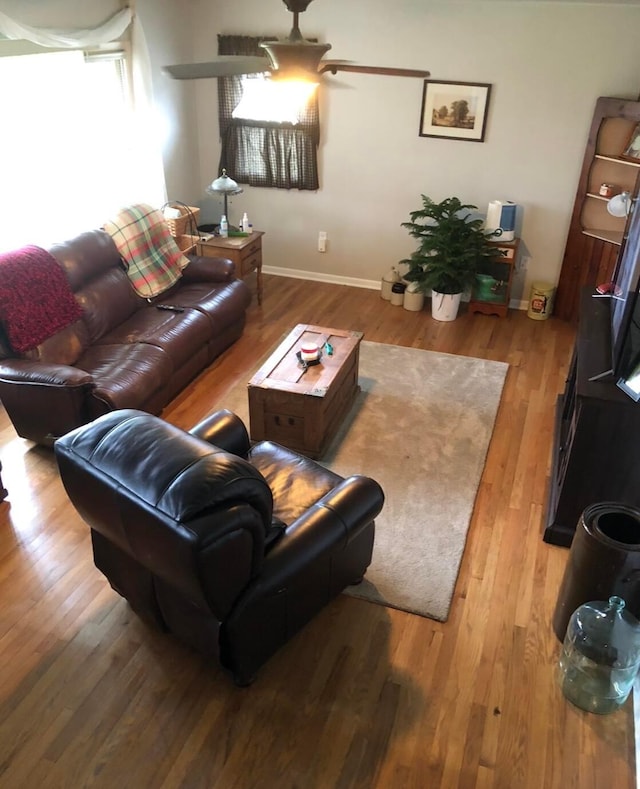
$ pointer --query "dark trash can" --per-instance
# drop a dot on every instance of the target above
(604, 560)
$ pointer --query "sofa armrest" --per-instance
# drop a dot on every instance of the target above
(205, 269)
(26, 371)
(44, 401)
(225, 430)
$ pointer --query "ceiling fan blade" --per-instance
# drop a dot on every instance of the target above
(222, 66)
(334, 66)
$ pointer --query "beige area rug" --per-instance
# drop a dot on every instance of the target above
(421, 427)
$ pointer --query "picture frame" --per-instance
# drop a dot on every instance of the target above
(454, 110)
(632, 148)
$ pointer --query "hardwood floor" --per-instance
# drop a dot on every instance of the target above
(365, 696)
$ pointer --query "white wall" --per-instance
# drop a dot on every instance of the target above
(168, 30)
(547, 62)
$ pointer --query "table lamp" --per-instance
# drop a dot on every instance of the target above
(224, 186)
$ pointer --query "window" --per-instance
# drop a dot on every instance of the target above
(68, 152)
(264, 99)
(276, 150)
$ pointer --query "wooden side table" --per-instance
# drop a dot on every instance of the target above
(244, 251)
(494, 299)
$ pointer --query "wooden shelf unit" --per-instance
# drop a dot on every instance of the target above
(595, 237)
(501, 268)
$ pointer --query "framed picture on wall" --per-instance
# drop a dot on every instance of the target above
(454, 110)
(632, 151)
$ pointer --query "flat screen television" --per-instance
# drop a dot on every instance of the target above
(625, 313)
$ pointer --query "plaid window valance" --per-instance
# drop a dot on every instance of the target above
(262, 153)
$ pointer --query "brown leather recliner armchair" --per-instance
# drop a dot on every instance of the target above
(230, 546)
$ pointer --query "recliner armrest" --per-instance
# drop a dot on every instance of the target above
(225, 430)
(332, 522)
(320, 553)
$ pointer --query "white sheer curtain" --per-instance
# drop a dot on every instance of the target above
(111, 30)
(73, 147)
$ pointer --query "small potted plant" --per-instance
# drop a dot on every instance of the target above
(451, 249)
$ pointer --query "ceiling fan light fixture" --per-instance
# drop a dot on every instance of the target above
(295, 76)
(295, 59)
(280, 101)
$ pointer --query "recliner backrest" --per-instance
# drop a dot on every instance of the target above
(193, 515)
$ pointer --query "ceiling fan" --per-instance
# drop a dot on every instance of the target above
(290, 57)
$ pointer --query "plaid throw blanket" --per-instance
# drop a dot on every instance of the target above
(154, 261)
(36, 300)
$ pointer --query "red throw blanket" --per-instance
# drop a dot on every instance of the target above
(36, 300)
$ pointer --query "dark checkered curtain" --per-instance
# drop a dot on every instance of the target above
(261, 153)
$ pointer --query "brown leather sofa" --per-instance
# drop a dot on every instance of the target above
(124, 352)
(231, 547)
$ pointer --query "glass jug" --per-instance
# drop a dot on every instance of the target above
(600, 656)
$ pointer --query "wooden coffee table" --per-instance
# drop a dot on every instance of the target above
(299, 408)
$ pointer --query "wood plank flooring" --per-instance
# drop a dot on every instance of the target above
(365, 696)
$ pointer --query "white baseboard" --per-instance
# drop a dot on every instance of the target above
(334, 279)
(354, 282)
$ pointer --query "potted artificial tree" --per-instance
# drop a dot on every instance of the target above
(451, 249)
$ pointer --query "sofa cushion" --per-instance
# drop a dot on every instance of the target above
(154, 261)
(221, 303)
(107, 301)
(179, 334)
(64, 347)
(126, 376)
(295, 481)
(86, 256)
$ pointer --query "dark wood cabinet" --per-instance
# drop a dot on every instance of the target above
(596, 451)
(595, 237)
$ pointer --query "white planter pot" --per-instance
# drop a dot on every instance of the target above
(413, 301)
(444, 306)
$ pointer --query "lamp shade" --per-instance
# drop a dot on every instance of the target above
(223, 184)
(620, 205)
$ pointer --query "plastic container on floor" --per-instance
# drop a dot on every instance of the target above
(541, 301)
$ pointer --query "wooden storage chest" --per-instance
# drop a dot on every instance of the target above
(302, 409)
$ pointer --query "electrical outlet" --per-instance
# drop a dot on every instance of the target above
(322, 241)
(523, 262)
